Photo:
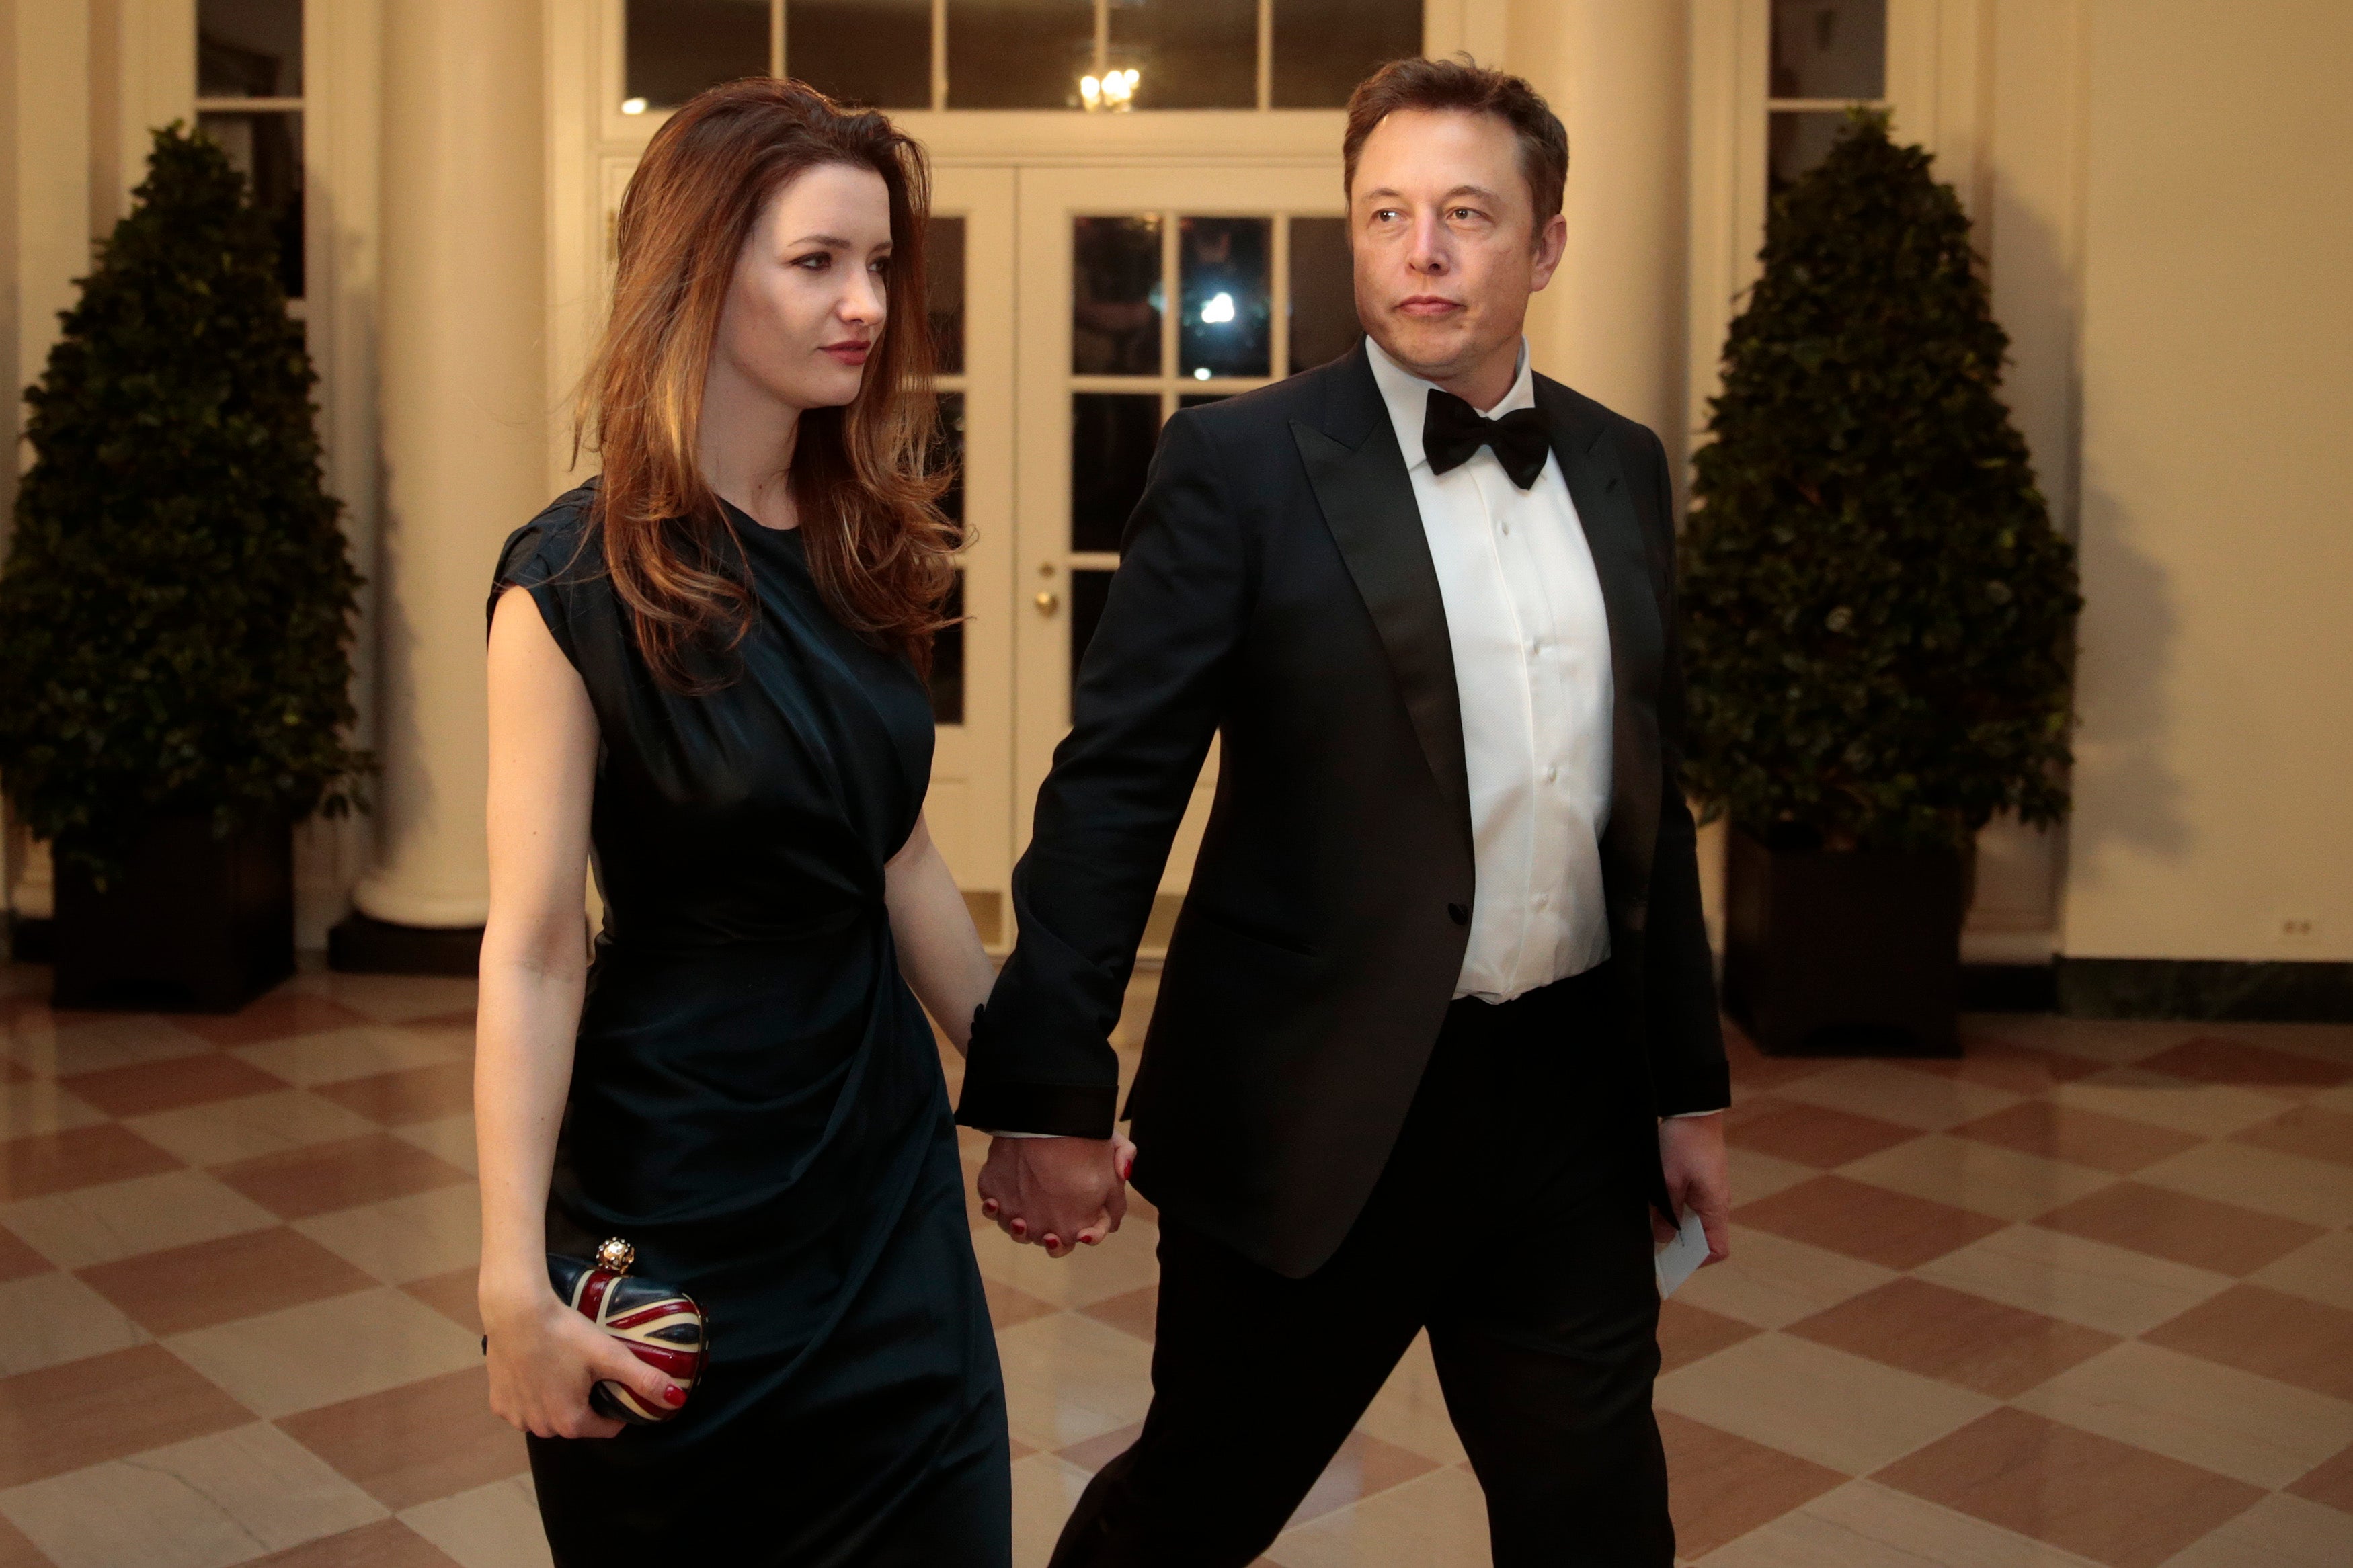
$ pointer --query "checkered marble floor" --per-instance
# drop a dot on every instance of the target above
(2085, 1297)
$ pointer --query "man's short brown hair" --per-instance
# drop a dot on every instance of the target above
(1467, 89)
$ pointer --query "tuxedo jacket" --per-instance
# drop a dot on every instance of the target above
(1276, 591)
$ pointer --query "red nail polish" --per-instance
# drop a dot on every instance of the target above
(988, 1205)
(673, 1395)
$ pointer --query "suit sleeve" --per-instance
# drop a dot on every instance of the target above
(1686, 1036)
(1146, 707)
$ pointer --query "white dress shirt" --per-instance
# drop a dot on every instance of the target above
(1531, 640)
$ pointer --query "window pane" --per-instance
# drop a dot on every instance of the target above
(266, 147)
(1797, 139)
(1194, 54)
(1323, 48)
(1089, 591)
(1222, 327)
(1115, 296)
(876, 52)
(1830, 48)
(677, 47)
(943, 291)
(1323, 293)
(1112, 438)
(948, 449)
(248, 48)
(1019, 54)
(947, 661)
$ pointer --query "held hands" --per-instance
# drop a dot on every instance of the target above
(1057, 1191)
(545, 1358)
(1699, 1180)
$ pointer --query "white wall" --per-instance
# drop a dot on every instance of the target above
(2216, 685)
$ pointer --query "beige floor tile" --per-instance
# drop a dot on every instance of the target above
(2210, 1111)
(1437, 1520)
(1045, 1489)
(1126, 1262)
(334, 1054)
(2280, 1532)
(494, 1526)
(2074, 1279)
(1411, 1408)
(391, 998)
(1984, 1178)
(1771, 1281)
(1820, 1403)
(1067, 1378)
(38, 1105)
(2113, 1040)
(270, 1490)
(2265, 1180)
(2217, 1417)
(99, 1044)
(55, 1318)
(1898, 1094)
(245, 1129)
(327, 1350)
(2321, 1270)
(403, 1238)
(147, 1213)
(1757, 1174)
(450, 1137)
(117, 1515)
(1865, 1525)
(2339, 1099)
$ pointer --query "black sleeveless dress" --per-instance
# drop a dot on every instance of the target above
(756, 1102)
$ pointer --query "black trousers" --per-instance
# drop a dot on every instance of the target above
(1510, 1223)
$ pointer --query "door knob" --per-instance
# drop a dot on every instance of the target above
(1047, 603)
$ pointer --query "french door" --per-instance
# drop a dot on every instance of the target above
(1141, 290)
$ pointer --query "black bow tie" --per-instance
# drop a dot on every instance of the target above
(1452, 432)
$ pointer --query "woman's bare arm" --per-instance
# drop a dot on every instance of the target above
(542, 759)
(939, 950)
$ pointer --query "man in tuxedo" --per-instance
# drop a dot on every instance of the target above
(1436, 1042)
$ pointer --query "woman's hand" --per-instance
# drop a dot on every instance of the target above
(545, 1358)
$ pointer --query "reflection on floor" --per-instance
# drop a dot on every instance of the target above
(2086, 1297)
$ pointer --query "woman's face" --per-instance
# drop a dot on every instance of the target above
(807, 306)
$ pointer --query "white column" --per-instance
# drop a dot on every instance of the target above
(1611, 323)
(45, 228)
(464, 412)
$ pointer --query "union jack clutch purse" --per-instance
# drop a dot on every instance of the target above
(662, 1327)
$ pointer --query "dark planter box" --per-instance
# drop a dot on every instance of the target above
(1843, 953)
(196, 924)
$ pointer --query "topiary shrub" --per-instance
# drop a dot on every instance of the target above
(177, 599)
(1878, 615)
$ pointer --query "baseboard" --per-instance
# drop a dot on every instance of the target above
(2009, 988)
(2205, 989)
(358, 944)
(32, 939)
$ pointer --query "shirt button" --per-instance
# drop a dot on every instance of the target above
(1505, 527)
(1552, 775)
(1542, 899)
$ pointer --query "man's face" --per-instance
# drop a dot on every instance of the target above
(1443, 229)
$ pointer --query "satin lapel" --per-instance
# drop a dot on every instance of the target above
(1359, 477)
(1605, 508)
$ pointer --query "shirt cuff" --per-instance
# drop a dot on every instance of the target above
(1686, 1115)
(995, 1132)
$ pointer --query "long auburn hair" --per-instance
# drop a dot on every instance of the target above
(866, 477)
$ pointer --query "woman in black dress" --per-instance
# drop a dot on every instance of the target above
(703, 673)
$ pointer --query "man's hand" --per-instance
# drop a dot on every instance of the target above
(1699, 1179)
(1055, 1192)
